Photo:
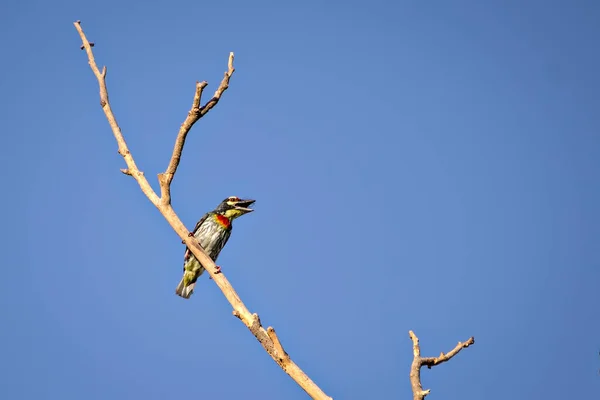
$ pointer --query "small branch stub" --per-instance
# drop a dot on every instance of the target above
(277, 344)
(418, 362)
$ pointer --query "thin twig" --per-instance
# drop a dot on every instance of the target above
(222, 87)
(195, 113)
(193, 116)
(123, 149)
(252, 321)
(418, 362)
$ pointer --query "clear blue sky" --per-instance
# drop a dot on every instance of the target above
(417, 165)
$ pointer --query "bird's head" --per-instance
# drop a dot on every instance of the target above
(233, 207)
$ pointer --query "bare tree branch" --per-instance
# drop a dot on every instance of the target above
(418, 362)
(193, 116)
(267, 338)
(195, 113)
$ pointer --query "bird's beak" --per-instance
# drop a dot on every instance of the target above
(244, 205)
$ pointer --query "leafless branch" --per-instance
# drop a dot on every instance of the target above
(195, 113)
(267, 338)
(193, 116)
(418, 362)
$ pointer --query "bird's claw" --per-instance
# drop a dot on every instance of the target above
(217, 271)
(190, 234)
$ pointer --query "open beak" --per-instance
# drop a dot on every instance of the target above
(244, 205)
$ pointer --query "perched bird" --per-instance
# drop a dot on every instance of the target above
(212, 231)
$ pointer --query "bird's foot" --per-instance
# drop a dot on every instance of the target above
(190, 234)
(217, 270)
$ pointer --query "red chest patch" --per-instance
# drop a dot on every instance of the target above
(223, 221)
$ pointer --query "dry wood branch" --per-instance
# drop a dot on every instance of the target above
(193, 116)
(270, 342)
(195, 113)
(123, 149)
(418, 362)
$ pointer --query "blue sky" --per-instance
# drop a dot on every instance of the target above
(417, 165)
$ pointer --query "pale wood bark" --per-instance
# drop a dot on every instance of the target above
(418, 362)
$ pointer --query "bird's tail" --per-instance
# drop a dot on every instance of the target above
(183, 290)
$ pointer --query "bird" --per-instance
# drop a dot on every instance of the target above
(212, 232)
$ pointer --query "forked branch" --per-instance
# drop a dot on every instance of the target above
(267, 337)
(195, 113)
(418, 362)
